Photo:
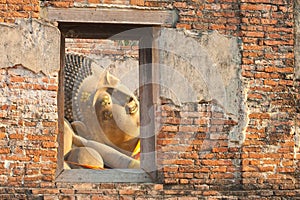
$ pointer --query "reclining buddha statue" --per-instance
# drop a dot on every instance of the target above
(102, 123)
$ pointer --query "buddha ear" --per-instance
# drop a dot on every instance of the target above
(111, 80)
(107, 79)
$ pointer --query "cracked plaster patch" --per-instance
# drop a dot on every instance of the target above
(200, 69)
(32, 43)
(203, 68)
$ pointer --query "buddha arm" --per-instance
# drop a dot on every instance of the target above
(112, 158)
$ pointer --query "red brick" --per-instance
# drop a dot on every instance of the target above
(219, 169)
(2, 134)
(254, 96)
(4, 150)
(269, 21)
(169, 128)
(61, 4)
(17, 79)
(171, 120)
(170, 168)
(158, 187)
(41, 137)
(201, 121)
(259, 115)
(188, 128)
(287, 163)
(183, 26)
(67, 191)
(49, 144)
(217, 162)
(270, 82)
(184, 162)
(218, 26)
(285, 170)
(222, 176)
(247, 74)
(16, 136)
(277, 42)
(52, 88)
(167, 141)
(210, 193)
(180, 4)
(262, 75)
(266, 168)
(253, 34)
(219, 149)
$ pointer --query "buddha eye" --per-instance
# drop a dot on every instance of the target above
(105, 101)
(130, 99)
(131, 107)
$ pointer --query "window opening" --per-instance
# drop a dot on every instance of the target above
(101, 104)
(106, 101)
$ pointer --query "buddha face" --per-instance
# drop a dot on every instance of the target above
(117, 112)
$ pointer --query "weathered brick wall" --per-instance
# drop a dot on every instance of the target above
(194, 155)
(114, 49)
(268, 60)
(194, 151)
(28, 121)
(12, 9)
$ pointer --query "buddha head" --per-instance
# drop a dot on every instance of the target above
(117, 111)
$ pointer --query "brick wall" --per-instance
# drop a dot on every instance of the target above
(28, 121)
(268, 60)
(195, 158)
(114, 49)
(12, 9)
(194, 152)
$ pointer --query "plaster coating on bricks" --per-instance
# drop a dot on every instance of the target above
(32, 43)
(206, 68)
(203, 68)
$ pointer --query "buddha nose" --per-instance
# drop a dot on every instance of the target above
(105, 101)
